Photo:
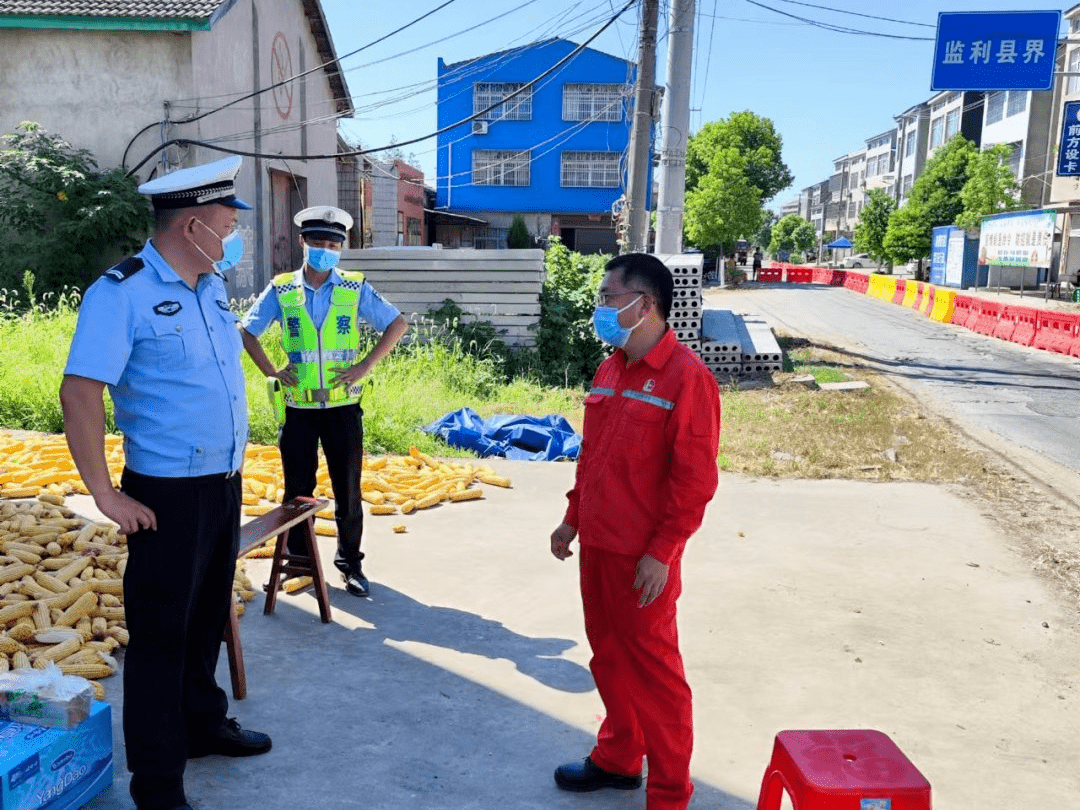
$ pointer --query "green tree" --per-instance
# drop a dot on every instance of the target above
(874, 225)
(934, 200)
(991, 187)
(723, 205)
(519, 236)
(757, 142)
(60, 218)
(764, 234)
(792, 233)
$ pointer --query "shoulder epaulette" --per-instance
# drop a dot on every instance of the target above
(125, 270)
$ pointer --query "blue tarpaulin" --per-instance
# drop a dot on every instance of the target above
(522, 438)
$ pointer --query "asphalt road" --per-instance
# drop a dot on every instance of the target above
(1019, 400)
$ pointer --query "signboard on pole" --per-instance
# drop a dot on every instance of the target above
(1020, 239)
(1069, 148)
(995, 50)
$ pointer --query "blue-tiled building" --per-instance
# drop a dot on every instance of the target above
(555, 153)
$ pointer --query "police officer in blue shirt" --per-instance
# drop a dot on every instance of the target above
(322, 400)
(157, 330)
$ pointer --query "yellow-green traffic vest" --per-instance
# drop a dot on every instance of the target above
(316, 354)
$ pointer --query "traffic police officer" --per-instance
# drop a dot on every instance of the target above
(157, 330)
(320, 309)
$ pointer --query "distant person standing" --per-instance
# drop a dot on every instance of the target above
(757, 262)
(646, 472)
(157, 330)
(320, 310)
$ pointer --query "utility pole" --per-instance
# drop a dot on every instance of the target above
(675, 128)
(637, 214)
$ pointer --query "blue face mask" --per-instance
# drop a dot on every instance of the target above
(321, 259)
(606, 324)
(232, 250)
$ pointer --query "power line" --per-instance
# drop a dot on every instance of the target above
(353, 153)
(840, 29)
(856, 13)
(322, 66)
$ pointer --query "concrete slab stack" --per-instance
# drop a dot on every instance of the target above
(721, 342)
(686, 306)
(730, 344)
(761, 352)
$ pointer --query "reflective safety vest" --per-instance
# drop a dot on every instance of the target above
(315, 354)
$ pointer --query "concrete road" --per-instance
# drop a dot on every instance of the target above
(462, 682)
(1012, 397)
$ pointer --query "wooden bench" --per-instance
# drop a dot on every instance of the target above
(253, 535)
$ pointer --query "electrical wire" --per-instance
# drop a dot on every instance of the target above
(322, 66)
(840, 29)
(856, 13)
(474, 116)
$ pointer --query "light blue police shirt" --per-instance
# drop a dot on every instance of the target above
(170, 356)
(372, 307)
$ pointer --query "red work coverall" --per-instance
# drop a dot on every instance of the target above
(646, 471)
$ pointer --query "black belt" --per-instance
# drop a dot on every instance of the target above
(196, 479)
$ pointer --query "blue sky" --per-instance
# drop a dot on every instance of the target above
(825, 91)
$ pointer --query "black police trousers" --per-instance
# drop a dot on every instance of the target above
(177, 589)
(341, 432)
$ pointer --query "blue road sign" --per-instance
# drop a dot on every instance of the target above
(995, 50)
(1069, 151)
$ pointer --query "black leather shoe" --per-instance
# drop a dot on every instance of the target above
(230, 741)
(582, 777)
(356, 583)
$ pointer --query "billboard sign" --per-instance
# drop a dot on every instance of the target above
(1069, 151)
(995, 50)
(1020, 239)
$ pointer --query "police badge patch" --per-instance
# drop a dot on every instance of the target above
(222, 305)
(167, 308)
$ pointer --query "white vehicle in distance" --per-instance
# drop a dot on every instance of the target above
(857, 261)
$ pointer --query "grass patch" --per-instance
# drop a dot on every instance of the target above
(786, 431)
(421, 380)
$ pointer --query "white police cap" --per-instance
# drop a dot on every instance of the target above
(324, 222)
(199, 185)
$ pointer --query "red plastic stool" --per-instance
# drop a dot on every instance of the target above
(842, 770)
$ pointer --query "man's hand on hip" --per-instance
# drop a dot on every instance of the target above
(287, 376)
(561, 539)
(650, 580)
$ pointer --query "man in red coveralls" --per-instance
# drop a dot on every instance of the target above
(646, 471)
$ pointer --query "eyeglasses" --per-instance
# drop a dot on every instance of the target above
(603, 298)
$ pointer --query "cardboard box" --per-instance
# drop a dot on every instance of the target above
(30, 698)
(54, 768)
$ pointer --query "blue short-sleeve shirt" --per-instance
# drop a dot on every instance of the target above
(372, 307)
(170, 356)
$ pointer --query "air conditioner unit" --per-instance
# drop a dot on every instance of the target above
(479, 127)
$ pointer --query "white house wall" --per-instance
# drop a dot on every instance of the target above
(94, 88)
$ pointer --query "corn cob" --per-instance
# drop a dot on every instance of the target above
(80, 609)
(296, 584)
(383, 509)
(466, 495)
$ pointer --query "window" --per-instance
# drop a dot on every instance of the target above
(1015, 157)
(491, 168)
(491, 238)
(908, 180)
(952, 123)
(400, 228)
(1017, 102)
(995, 107)
(1073, 85)
(909, 147)
(852, 210)
(413, 236)
(519, 108)
(937, 130)
(590, 169)
(592, 102)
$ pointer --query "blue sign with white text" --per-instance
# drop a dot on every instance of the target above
(995, 50)
(1069, 153)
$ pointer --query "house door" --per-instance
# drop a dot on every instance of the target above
(287, 194)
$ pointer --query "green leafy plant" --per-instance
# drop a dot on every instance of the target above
(60, 217)
(519, 236)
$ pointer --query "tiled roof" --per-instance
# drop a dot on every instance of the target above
(147, 9)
